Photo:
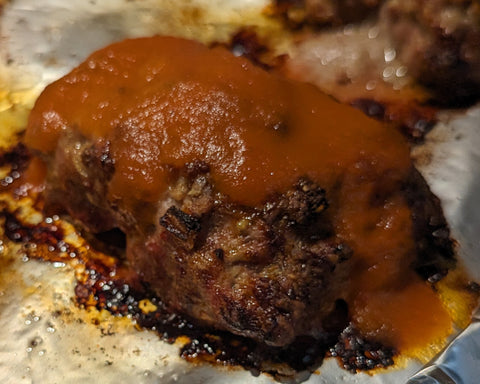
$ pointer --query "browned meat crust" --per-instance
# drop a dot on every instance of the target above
(259, 259)
(258, 272)
(272, 273)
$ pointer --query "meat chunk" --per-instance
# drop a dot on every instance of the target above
(249, 202)
(251, 271)
(271, 273)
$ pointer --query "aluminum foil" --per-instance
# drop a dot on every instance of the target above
(46, 339)
(458, 364)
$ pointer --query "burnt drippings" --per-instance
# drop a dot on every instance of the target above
(46, 233)
(101, 291)
(355, 353)
(247, 43)
(17, 159)
(413, 120)
(112, 287)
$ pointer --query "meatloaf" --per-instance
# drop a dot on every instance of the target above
(250, 203)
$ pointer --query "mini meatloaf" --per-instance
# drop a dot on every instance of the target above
(250, 203)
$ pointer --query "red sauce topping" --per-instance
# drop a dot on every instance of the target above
(163, 102)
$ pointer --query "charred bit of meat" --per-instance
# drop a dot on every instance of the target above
(247, 43)
(413, 120)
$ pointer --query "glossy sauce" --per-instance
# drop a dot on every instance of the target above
(163, 102)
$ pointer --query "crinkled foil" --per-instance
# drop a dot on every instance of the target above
(46, 339)
(458, 363)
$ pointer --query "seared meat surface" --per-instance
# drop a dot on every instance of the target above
(271, 272)
(259, 272)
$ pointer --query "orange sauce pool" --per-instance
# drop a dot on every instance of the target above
(162, 102)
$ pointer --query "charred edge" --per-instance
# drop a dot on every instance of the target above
(99, 156)
(304, 354)
(18, 157)
(414, 122)
(436, 255)
(180, 224)
(114, 294)
(355, 353)
(43, 233)
(245, 42)
(197, 168)
(314, 196)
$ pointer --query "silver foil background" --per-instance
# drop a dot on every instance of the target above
(41, 41)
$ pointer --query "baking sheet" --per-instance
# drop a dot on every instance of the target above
(45, 338)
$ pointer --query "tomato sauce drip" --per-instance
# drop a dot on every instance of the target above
(162, 102)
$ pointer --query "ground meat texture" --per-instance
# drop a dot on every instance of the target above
(249, 202)
(439, 42)
(251, 271)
